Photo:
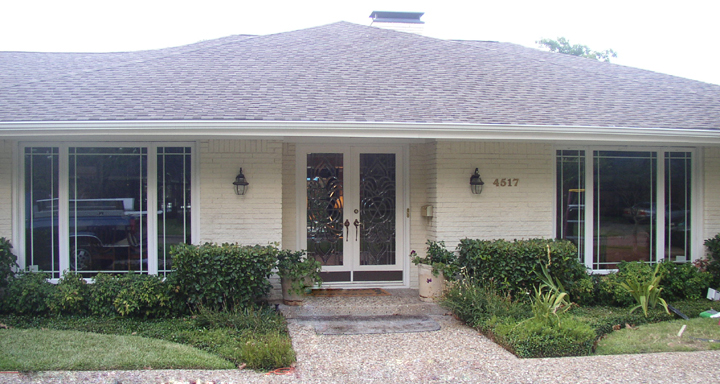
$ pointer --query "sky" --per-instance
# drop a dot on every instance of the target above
(674, 37)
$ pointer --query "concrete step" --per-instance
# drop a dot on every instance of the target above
(399, 302)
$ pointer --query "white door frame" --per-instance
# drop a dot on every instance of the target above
(351, 155)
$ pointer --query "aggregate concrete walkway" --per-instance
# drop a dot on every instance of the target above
(453, 354)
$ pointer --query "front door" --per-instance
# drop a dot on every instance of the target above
(352, 213)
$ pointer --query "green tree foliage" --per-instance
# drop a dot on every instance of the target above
(562, 45)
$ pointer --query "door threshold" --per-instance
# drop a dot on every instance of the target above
(363, 284)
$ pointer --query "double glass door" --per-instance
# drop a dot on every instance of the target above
(352, 214)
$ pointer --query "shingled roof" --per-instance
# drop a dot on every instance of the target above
(349, 73)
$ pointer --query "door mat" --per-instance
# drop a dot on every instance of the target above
(356, 325)
(349, 292)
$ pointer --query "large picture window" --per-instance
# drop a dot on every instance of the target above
(632, 206)
(93, 209)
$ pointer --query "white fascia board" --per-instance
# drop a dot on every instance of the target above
(437, 131)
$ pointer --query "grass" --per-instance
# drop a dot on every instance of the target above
(40, 350)
(255, 337)
(663, 337)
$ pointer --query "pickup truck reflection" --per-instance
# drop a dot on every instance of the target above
(104, 235)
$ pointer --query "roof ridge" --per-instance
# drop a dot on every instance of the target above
(596, 72)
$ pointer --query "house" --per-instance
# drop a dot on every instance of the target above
(355, 143)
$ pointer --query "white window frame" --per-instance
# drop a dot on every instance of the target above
(18, 220)
(696, 208)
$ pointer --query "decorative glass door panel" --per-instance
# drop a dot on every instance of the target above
(377, 209)
(352, 213)
(325, 207)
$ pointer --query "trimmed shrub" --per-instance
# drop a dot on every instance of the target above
(223, 276)
(513, 265)
(103, 292)
(532, 338)
(8, 263)
(71, 295)
(684, 281)
(132, 295)
(143, 296)
(27, 294)
(713, 265)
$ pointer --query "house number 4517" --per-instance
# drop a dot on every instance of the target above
(506, 182)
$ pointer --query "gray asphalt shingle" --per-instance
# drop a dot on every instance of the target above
(348, 72)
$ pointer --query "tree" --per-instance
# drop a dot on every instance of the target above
(562, 45)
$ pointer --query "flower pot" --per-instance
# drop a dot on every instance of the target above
(292, 296)
(430, 286)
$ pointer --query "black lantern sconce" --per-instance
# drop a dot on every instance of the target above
(240, 183)
(476, 183)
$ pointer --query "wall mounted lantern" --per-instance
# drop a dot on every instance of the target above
(476, 183)
(240, 183)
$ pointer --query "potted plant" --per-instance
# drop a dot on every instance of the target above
(434, 269)
(297, 274)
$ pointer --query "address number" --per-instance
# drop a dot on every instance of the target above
(506, 182)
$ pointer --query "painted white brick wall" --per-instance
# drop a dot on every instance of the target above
(711, 193)
(522, 211)
(289, 210)
(419, 183)
(256, 217)
(6, 187)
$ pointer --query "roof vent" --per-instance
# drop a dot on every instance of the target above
(399, 21)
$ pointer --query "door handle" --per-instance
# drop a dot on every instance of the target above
(357, 224)
(347, 229)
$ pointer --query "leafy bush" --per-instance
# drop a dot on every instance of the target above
(103, 292)
(143, 296)
(71, 295)
(222, 276)
(439, 258)
(684, 281)
(532, 338)
(133, 295)
(8, 263)
(713, 265)
(303, 272)
(482, 305)
(609, 287)
(27, 294)
(512, 265)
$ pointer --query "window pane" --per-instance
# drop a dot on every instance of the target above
(677, 206)
(571, 198)
(41, 210)
(173, 177)
(108, 210)
(625, 207)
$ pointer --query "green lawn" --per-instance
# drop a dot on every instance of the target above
(663, 337)
(43, 349)
(257, 338)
